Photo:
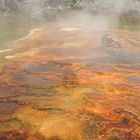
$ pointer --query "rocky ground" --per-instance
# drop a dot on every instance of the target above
(71, 83)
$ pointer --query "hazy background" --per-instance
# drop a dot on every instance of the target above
(49, 8)
(17, 17)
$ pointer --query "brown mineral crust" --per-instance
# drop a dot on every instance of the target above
(123, 39)
(18, 135)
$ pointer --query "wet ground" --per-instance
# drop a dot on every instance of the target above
(71, 83)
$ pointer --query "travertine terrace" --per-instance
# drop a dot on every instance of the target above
(71, 83)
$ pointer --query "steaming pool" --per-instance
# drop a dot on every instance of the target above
(67, 82)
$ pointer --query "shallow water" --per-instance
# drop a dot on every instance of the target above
(13, 27)
(70, 83)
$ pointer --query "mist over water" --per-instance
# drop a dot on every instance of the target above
(94, 14)
(19, 17)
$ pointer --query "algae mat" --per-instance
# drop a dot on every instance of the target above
(71, 83)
